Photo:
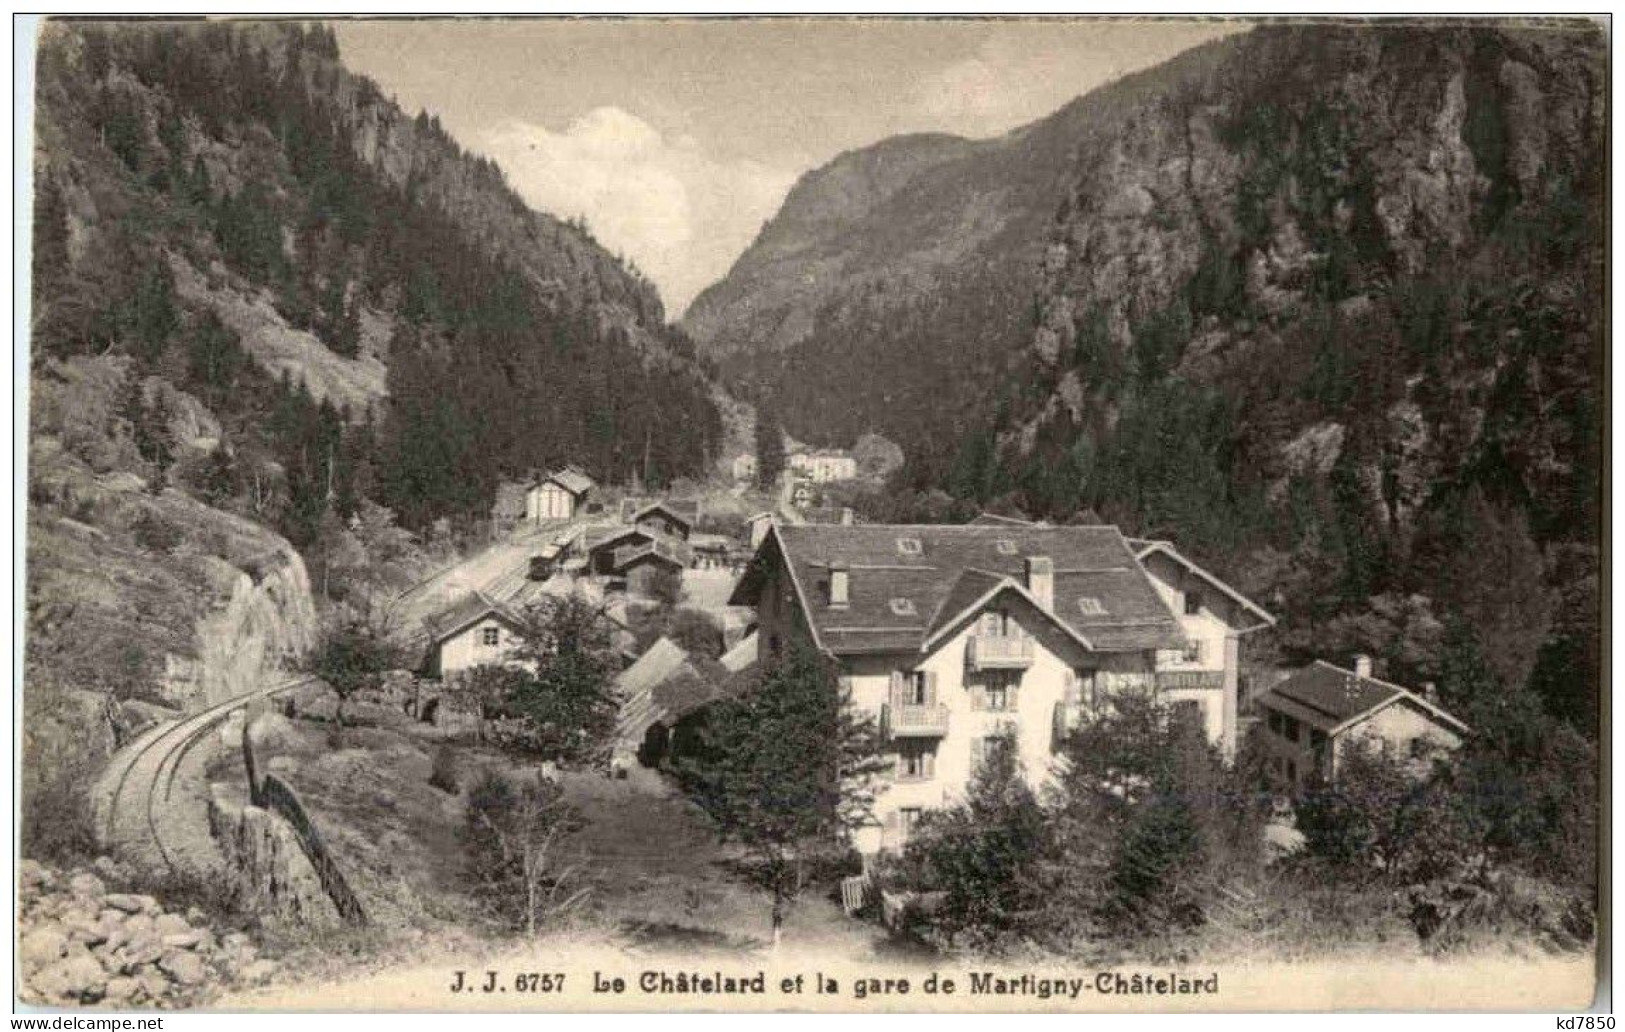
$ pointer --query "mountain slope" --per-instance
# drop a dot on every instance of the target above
(271, 313)
(1324, 302)
(238, 175)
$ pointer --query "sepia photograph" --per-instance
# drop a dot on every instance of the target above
(811, 514)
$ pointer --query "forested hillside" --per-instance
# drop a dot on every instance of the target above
(1324, 304)
(286, 337)
(229, 207)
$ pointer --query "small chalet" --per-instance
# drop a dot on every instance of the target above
(559, 496)
(644, 566)
(673, 519)
(1314, 717)
(664, 687)
(744, 467)
(474, 631)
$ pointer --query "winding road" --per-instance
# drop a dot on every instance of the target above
(131, 799)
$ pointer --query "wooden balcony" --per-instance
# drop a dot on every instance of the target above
(1201, 680)
(999, 652)
(915, 721)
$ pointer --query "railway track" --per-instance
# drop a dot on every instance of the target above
(139, 783)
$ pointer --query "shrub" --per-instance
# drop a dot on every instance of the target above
(514, 830)
(156, 534)
(444, 773)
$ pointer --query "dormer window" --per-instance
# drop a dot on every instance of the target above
(1005, 546)
(839, 587)
(1088, 605)
(903, 607)
(909, 546)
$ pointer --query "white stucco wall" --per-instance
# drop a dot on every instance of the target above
(465, 649)
(1042, 685)
(1214, 628)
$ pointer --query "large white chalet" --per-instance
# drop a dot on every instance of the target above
(952, 635)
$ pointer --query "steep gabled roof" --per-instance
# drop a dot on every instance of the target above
(466, 611)
(1144, 548)
(572, 479)
(906, 580)
(683, 512)
(1336, 698)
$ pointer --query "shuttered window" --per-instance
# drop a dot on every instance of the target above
(998, 691)
(917, 761)
(913, 688)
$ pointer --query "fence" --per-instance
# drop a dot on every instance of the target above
(278, 796)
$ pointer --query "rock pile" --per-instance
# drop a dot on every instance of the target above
(79, 943)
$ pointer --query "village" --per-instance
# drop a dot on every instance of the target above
(949, 637)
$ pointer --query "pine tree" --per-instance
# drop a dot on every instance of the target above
(785, 770)
(769, 448)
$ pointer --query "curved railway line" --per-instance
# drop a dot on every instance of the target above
(141, 779)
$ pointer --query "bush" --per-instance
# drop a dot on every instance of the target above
(444, 774)
(513, 833)
(155, 534)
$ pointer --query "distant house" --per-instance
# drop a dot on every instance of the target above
(637, 556)
(644, 566)
(1313, 718)
(672, 519)
(802, 495)
(474, 631)
(601, 545)
(744, 468)
(559, 496)
(824, 465)
(664, 687)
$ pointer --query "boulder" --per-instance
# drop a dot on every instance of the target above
(87, 886)
(130, 903)
(34, 876)
(153, 984)
(142, 949)
(110, 869)
(258, 971)
(189, 939)
(140, 924)
(73, 978)
(171, 924)
(122, 989)
(42, 945)
(183, 966)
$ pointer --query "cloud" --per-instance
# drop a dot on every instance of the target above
(664, 203)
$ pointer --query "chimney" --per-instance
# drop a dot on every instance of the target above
(1362, 665)
(847, 517)
(838, 586)
(1430, 691)
(1041, 579)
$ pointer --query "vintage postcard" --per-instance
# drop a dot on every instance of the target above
(814, 514)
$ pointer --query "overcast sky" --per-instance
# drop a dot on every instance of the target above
(678, 139)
